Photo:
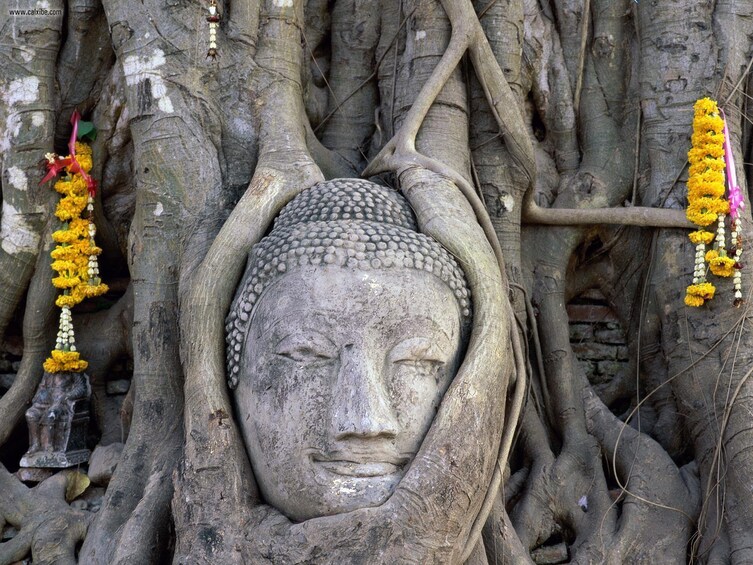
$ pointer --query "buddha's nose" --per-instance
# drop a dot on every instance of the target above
(361, 407)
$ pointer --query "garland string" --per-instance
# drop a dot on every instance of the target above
(706, 202)
(75, 256)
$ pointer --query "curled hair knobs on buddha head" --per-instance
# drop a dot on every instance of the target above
(350, 223)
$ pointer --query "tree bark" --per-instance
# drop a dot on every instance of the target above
(544, 144)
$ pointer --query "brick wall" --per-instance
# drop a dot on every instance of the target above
(596, 336)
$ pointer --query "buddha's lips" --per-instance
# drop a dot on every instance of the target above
(358, 469)
(360, 461)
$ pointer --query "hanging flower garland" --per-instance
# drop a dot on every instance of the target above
(214, 21)
(736, 204)
(706, 202)
(75, 256)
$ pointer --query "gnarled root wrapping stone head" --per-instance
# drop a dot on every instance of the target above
(345, 332)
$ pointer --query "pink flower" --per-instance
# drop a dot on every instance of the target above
(56, 164)
(736, 199)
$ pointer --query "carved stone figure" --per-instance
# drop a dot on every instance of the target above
(347, 330)
(58, 420)
(366, 417)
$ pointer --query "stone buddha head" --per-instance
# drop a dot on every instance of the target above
(345, 332)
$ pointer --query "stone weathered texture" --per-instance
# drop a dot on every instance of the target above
(338, 390)
(34, 474)
(612, 333)
(103, 461)
(598, 341)
(590, 313)
(367, 227)
(58, 422)
(595, 351)
(6, 380)
(610, 368)
(119, 386)
(342, 368)
(581, 332)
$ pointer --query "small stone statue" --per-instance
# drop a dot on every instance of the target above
(58, 420)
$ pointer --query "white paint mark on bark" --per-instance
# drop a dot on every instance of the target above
(139, 68)
(37, 119)
(21, 91)
(12, 129)
(165, 104)
(17, 178)
(44, 4)
(583, 503)
(158, 209)
(284, 3)
(507, 201)
(16, 235)
(420, 34)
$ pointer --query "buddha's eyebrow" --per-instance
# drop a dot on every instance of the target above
(411, 323)
(312, 319)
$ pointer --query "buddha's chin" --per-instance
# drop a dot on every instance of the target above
(339, 489)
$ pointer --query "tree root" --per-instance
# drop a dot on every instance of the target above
(500, 539)
(661, 501)
(353, 90)
(103, 348)
(48, 527)
(28, 128)
(400, 156)
(27, 134)
(628, 216)
(176, 138)
(214, 452)
(85, 59)
(511, 427)
(39, 318)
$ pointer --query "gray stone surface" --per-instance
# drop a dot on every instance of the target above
(599, 346)
(58, 420)
(33, 474)
(345, 333)
(342, 387)
(581, 332)
(614, 336)
(55, 459)
(80, 505)
(6, 380)
(595, 351)
(103, 461)
(119, 386)
(610, 368)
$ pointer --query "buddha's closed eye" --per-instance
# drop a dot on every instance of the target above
(308, 347)
(419, 352)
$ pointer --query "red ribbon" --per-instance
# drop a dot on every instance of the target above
(71, 163)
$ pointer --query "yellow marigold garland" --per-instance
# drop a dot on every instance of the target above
(75, 256)
(706, 202)
(701, 236)
(697, 294)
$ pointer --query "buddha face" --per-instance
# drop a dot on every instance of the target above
(341, 376)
